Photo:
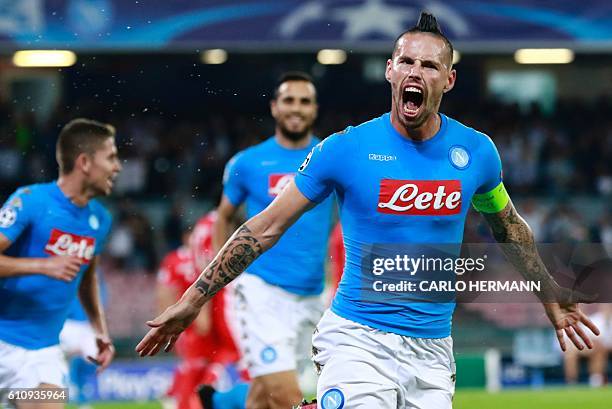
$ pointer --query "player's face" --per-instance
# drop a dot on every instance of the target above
(104, 166)
(295, 109)
(419, 73)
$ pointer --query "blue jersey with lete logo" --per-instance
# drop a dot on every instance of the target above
(256, 176)
(394, 191)
(40, 221)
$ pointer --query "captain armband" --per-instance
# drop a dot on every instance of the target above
(492, 201)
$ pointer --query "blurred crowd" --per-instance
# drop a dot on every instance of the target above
(549, 158)
(566, 153)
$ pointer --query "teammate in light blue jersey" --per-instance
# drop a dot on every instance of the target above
(277, 302)
(51, 236)
(405, 178)
(255, 177)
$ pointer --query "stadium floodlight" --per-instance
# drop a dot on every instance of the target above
(456, 56)
(544, 56)
(44, 58)
(331, 57)
(214, 56)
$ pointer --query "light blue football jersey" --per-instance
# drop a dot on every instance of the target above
(394, 191)
(40, 221)
(256, 176)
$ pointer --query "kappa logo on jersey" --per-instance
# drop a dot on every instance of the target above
(68, 244)
(420, 197)
(277, 182)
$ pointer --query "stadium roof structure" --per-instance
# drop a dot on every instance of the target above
(299, 25)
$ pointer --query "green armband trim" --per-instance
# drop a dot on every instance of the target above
(493, 201)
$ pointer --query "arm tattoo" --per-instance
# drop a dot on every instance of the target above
(239, 252)
(519, 247)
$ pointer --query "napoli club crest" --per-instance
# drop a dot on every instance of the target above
(459, 157)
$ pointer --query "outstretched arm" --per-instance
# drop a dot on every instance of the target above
(519, 246)
(512, 230)
(251, 239)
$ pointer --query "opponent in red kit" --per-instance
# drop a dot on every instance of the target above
(207, 346)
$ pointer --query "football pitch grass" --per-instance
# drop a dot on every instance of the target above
(550, 398)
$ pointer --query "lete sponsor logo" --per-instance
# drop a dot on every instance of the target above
(420, 197)
(277, 182)
(67, 244)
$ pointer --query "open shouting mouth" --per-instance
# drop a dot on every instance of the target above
(412, 98)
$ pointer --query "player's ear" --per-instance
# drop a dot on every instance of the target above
(388, 70)
(83, 162)
(273, 108)
(450, 83)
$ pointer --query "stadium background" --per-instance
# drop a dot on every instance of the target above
(181, 111)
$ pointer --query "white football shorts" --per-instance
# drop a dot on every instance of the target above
(28, 368)
(78, 338)
(274, 326)
(362, 367)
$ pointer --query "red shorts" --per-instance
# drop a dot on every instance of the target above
(187, 377)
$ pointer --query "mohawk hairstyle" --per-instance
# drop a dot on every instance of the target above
(427, 24)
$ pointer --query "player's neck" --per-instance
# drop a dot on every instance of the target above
(74, 190)
(426, 131)
(285, 142)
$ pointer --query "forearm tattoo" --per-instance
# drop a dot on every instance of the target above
(239, 252)
(520, 249)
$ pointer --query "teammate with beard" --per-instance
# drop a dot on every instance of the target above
(277, 303)
(413, 173)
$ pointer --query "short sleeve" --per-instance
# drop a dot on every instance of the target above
(318, 174)
(233, 180)
(491, 169)
(17, 213)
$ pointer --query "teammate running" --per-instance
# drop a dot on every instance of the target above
(405, 177)
(277, 303)
(51, 235)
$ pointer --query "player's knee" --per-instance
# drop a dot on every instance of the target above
(257, 397)
(274, 391)
(284, 402)
(256, 404)
(284, 397)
